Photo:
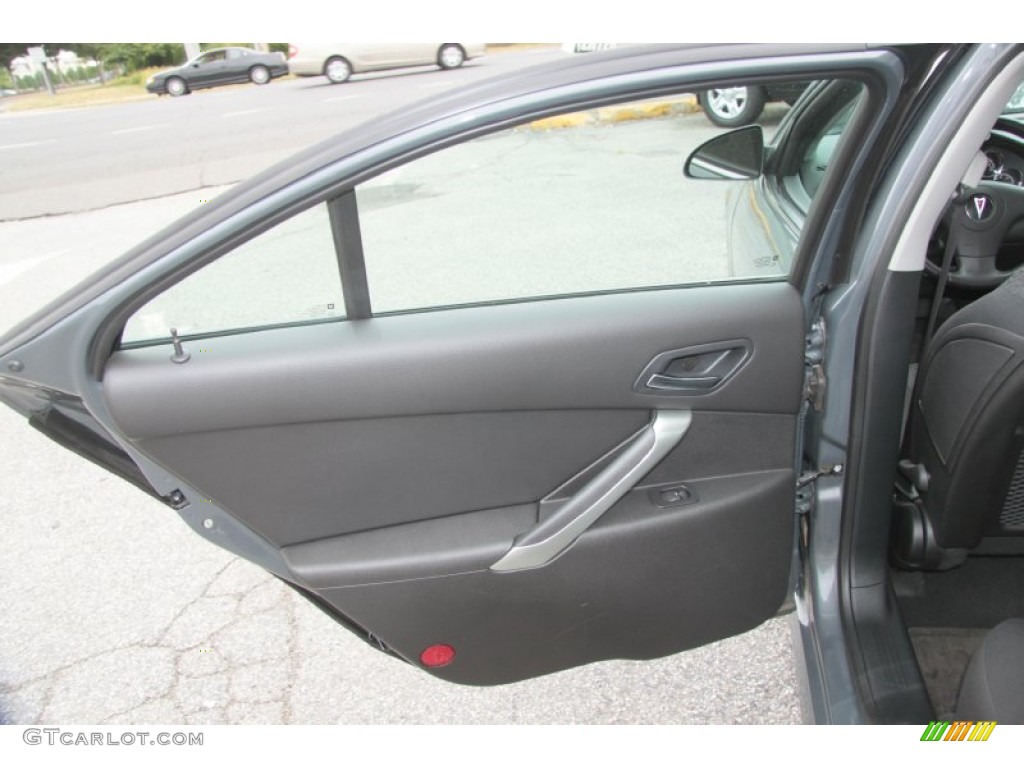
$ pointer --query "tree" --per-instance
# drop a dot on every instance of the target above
(11, 51)
(96, 51)
(130, 56)
(134, 56)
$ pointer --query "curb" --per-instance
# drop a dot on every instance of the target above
(637, 110)
(33, 110)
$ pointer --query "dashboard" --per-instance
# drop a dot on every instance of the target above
(1004, 152)
(1004, 161)
(1003, 166)
(1003, 237)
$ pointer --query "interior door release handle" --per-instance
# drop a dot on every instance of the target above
(539, 545)
(695, 370)
(675, 383)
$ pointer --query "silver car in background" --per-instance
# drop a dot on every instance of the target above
(339, 61)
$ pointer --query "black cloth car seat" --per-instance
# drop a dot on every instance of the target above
(964, 448)
(993, 686)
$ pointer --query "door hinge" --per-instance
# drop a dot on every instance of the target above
(814, 387)
(804, 501)
(814, 357)
(804, 508)
(805, 498)
(804, 495)
(809, 477)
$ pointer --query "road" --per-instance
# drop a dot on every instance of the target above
(115, 612)
(84, 159)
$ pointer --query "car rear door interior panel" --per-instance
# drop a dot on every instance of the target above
(395, 461)
(535, 480)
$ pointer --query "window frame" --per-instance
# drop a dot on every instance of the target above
(209, 57)
(340, 263)
(634, 87)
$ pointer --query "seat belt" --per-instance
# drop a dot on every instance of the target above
(947, 262)
(915, 474)
(959, 197)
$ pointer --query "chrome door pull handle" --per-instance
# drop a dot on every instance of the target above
(542, 543)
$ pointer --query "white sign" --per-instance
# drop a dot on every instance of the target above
(38, 55)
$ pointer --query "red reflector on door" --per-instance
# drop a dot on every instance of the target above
(438, 656)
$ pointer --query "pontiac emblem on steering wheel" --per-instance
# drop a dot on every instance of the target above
(979, 207)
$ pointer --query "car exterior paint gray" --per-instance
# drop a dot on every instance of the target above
(235, 68)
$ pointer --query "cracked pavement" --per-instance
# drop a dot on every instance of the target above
(118, 614)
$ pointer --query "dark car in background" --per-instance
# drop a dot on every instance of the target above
(220, 66)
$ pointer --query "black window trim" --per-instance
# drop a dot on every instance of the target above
(343, 212)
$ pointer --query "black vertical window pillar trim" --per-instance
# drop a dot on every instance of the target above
(348, 246)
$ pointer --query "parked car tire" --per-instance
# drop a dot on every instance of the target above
(259, 75)
(733, 107)
(337, 70)
(450, 56)
(176, 86)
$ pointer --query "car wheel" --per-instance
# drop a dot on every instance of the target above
(450, 56)
(176, 86)
(733, 107)
(337, 70)
(259, 75)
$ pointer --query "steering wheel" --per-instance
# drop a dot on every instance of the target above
(979, 222)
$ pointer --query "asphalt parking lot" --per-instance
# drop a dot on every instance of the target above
(117, 613)
(63, 161)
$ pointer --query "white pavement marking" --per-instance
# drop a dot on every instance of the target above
(11, 270)
(342, 98)
(135, 130)
(28, 144)
(245, 112)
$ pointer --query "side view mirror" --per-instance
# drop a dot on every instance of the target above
(734, 156)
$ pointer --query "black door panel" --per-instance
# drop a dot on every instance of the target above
(301, 482)
(573, 353)
(644, 582)
(396, 460)
(452, 544)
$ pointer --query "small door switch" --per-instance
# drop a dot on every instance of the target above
(673, 496)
